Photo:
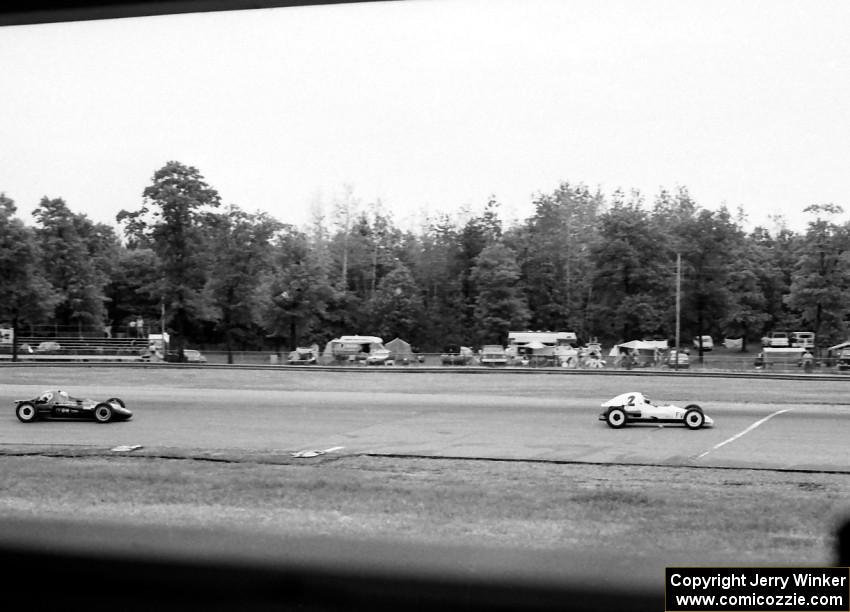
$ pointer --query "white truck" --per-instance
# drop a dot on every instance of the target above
(777, 339)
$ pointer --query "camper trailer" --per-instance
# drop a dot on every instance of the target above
(539, 347)
(368, 349)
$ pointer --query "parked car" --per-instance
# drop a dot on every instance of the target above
(189, 356)
(48, 347)
(678, 359)
(707, 343)
(843, 360)
(380, 356)
(456, 355)
(303, 356)
(193, 356)
(493, 355)
(417, 354)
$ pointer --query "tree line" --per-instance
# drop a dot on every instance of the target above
(603, 267)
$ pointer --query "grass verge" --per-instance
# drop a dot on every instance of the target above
(745, 515)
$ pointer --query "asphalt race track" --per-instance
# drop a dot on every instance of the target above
(776, 424)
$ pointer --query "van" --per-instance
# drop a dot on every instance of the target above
(707, 343)
(803, 339)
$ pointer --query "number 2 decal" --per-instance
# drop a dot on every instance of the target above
(630, 401)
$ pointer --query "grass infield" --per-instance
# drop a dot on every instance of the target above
(745, 515)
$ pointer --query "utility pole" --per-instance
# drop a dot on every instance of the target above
(678, 304)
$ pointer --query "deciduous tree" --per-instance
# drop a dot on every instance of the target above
(706, 243)
(242, 253)
(135, 288)
(397, 305)
(26, 295)
(746, 314)
(555, 257)
(296, 293)
(174, 221)
(820, 285)
(633, 281)
(500, 303)
(77, 256)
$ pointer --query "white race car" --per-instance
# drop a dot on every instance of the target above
(635, 407)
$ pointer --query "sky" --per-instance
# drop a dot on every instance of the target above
(431, 106)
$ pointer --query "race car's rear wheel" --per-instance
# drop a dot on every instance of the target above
(694, 418)
(26, 412)
(103, 413)
(115, 400)
(616, 418)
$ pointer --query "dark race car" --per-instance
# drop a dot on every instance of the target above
(56, 404)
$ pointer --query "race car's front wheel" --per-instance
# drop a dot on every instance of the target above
(26, 412)
(616, 418)
(694, 418)
(103, 413)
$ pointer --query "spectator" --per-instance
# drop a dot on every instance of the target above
(615, 355)
(808, 361)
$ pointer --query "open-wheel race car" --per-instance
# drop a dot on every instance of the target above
(56, 404)
(634, 407)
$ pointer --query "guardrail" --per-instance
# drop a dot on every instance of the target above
(795, 374)
(714, 363)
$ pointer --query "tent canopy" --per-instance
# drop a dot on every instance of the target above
(839, 346)
(733, 343)
(399, 348)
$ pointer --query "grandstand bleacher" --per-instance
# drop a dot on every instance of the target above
(78, 349)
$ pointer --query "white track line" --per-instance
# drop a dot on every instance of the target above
(746, 431)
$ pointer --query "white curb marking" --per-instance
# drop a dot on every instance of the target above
(746, 431)
(315, 453)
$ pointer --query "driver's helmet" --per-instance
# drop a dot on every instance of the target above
(63, 395)
(45, 397)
